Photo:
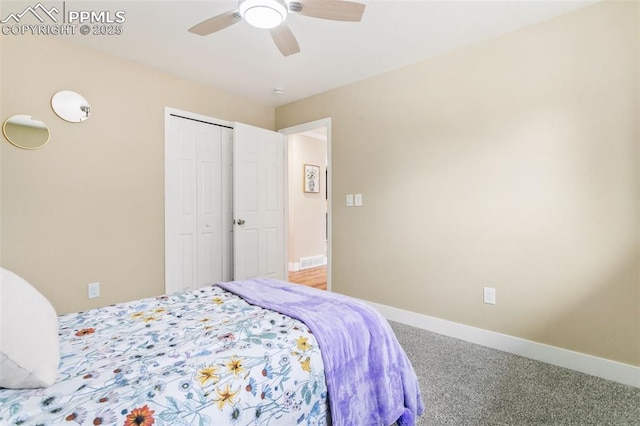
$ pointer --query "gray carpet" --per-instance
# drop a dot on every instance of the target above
(467, 384)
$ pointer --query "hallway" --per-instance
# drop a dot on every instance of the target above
(312, 277)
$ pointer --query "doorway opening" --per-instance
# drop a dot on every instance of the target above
(308, 217)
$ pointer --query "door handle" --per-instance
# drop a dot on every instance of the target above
(240, 221)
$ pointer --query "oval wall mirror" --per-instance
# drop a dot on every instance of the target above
(25, 131)
(70, 106)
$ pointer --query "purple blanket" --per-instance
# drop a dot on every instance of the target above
(369, 377)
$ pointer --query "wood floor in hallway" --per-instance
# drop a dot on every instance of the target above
(312, 277)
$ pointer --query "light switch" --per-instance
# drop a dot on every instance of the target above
(358, 200)
(349, 200)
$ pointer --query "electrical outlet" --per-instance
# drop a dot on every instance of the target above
(490, 295)
(94, 290)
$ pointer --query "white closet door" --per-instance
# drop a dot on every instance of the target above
(258, 203)
(193, 204)
(227, 204)
(209, 204)
(180, 205)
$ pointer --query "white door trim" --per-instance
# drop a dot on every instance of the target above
(324, 122)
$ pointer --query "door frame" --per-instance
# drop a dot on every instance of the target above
(324, 122)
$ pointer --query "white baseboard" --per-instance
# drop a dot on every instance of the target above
(600, 367)
(294, 266)
(299, 266)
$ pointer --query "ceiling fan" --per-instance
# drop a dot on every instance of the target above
(271, 14)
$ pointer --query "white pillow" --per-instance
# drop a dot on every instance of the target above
(29, 343)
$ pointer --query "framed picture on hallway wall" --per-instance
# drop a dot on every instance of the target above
(311, 178)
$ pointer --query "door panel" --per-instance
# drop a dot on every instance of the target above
(258, 164)
(227, 203)
(272, 261)
(185, 264)
(181, 210)
(209, 200)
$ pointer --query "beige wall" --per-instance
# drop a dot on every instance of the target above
(307, 220)
(512, 163)
(89, 206)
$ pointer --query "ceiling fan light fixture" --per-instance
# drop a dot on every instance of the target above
(265, 14)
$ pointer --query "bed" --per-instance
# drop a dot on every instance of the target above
(255, 352)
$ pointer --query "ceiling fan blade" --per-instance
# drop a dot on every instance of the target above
(285, 40)
(216, 23)
(336, 10)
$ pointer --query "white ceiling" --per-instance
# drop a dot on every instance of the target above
(243, 60)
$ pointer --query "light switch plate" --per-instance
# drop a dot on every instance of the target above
(489, 295)
(358, 200)
(349, 200)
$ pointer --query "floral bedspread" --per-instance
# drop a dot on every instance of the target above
(202, 357)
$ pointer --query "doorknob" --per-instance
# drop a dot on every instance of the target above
(240, 222)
